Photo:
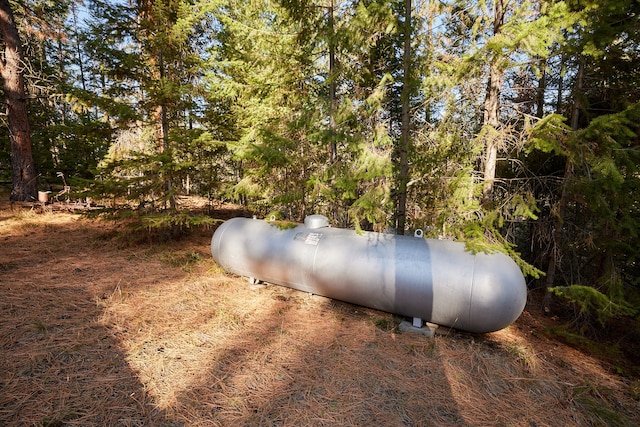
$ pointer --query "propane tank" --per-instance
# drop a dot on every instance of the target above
(435, 280)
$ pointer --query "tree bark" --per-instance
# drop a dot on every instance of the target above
(24, 185)
(151, 21)
(492, 109)
(542, 87)
(403, 174)
(560, 85)
(333, 147)
(164, 132)
(556, 235)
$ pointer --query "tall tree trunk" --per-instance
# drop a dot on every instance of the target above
(403, 173)
(556, 234)
(153, 26)
(333, 148)
(560, 86)
(164, 131)
(24, 186)
(76, 35)
(62, 77)
(542, 86)
(492, 109)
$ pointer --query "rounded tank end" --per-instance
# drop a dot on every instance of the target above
(499, 293)
(217, 241)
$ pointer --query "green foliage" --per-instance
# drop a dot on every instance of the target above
(185, 260)
(370, 207)
(527, 28)
(600, 223)
(487, 234)
(174, 221)
(143, 225)
(550, 135)
(279, 99)
(608, 185)
(591, 302)
(386, 323)
(593, 400)
(285, 225)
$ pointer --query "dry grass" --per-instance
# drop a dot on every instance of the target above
(96, 333)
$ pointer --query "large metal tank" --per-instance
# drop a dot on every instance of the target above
(436, 280)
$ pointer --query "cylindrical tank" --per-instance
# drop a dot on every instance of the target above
(436, 280)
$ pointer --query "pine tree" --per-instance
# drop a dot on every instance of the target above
(24, 185)
(157, 72)
(306, 144)
(405, 134)
(596, 155)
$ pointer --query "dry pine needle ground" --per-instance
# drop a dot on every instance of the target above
(94, 332)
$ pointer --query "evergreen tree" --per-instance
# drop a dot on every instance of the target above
(24, 185)
(67, 136)
(594, 160)
(405, 134)
(157, 71)
(307, 144)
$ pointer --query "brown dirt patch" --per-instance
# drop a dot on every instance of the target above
(94, 332)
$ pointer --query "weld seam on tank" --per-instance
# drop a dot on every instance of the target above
(313, 264)
(473, 282)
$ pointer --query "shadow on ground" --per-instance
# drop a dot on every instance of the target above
(60, 365)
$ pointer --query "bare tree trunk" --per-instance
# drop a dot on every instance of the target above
(492, 109)
(556, 234)
(164, 133)
(405, 138)
(333, 148)
(24, 186)
(560, 86)
(150, 21)
(62, 77)
(542, 86)
(79, 60)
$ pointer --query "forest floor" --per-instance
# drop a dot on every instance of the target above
(100, 329)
